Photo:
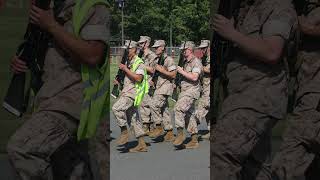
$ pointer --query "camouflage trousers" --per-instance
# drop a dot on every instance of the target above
(160, 111)
(184, 112)
(100, 150)
(145, 109)
(202, 110)
(126, 113)
(242, 146)
(300, 149)
(31, 147)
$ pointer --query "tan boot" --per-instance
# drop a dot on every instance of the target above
(169, 137)
(146, 128)
(124, 136)
(157, 132)
(193, 144)
(180, 137)
(151, 131)
(141, 147)
(206, 136)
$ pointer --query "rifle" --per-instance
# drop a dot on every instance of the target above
(204, 58)
(156, 75)
(141, 52)
(223, 53)
(178, 79)
(120, 74)
(303, 7)
(32, 51)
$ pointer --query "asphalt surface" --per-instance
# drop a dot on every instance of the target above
(162, 161)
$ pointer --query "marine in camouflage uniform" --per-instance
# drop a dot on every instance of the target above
(58, 103)
(149, 59)
(184, 109)
(256, 90)
(204, 101)
(163, 90)
(298, 157)
(124, 109)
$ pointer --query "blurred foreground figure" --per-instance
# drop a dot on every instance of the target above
(256, 90)
(298, 157)
(59, 106)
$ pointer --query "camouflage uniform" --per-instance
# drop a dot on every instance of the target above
(300, 147)
(100, 149)
(160, 103)
(204, 101)
(58, 103)
(256, 97)
(149, 58)
(123, 109)
(190, 92)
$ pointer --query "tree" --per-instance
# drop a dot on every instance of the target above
(189, 19)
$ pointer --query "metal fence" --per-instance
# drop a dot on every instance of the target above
(116, 53)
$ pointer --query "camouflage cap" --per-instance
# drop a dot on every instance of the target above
(204, 44)
(144, 39)
(158, 43)
(187, 44)
(133, 44)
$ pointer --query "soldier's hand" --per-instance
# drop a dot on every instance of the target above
(174, 86)
(158, 67)
(224, 27)
(18, 66)
(305, 25)
(179, 69)
(42, 18)
(151, 83)
(115, 82)
(122, 67)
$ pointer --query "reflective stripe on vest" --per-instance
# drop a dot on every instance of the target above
(95, 80)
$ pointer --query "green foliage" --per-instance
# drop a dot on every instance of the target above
(189, 19)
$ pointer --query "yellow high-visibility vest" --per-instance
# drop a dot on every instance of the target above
(95, 105)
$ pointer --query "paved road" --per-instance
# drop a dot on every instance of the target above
(161, 162)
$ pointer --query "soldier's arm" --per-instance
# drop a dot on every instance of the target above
(275, 31)
(316, 31)
(191, 76)
(168, 73)
(307, 28)
(268, 49)
(133, 76)
(88, 52)
(313, 30)
(264, 49)
(149, 69)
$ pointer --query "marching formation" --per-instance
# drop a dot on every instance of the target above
(148, 79)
